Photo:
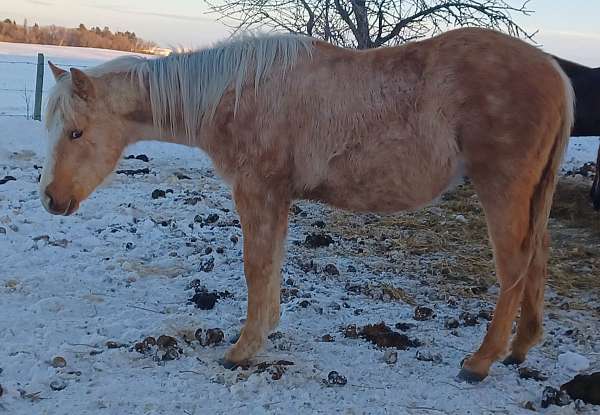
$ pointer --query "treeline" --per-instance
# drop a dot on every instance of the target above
(93, 37)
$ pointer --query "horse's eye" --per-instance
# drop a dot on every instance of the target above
(75, 134)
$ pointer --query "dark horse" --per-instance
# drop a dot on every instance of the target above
(586, 83)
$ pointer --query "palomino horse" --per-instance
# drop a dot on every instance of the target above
(289, 117)
(586, 83)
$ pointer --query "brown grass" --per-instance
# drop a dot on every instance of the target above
(573, 207)
(575, 230)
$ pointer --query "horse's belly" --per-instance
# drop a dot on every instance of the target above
(393, 170)
(385, 191)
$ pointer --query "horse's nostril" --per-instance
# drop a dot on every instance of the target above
(50, 200)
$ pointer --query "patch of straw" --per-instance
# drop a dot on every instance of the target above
(450, 240)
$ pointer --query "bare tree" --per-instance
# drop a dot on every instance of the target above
(370, 23)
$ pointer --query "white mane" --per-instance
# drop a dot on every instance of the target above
(188, 86)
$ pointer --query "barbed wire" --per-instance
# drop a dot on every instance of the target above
(25, 90)
(21, 89)
(35, 63)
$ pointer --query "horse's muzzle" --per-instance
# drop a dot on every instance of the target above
(57, 208)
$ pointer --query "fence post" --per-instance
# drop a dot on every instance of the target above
(39, 84)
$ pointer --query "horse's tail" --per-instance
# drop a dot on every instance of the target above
(543, 192)
(541, 199)
(595, 192)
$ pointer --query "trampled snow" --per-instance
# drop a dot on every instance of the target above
(120, 270)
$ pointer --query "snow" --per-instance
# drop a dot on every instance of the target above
(119, 270)
(581, 150)
(573, 361)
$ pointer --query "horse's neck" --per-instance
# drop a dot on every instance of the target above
(140, 125)
(142, 131)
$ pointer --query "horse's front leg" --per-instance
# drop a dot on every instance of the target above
(264, 218)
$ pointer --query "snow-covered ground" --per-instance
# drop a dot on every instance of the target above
(581, 150)
(121, 270)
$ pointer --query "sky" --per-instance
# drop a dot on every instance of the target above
(568, 28)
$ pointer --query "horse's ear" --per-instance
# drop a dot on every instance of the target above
(56, 71)
(82, 84)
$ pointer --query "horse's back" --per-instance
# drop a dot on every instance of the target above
(389, 129)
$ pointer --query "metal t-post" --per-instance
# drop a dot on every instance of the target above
(39, 84)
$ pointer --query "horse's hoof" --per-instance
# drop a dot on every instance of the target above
(466, 375)
(512, 361)
(235, 338)
(227, 364)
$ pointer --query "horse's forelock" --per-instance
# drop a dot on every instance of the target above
(56, 105)
(59, 107)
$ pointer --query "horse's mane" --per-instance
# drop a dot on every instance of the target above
(188, 86)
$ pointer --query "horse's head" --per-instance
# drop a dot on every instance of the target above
(86, 139)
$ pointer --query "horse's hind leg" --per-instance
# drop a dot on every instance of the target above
(264, 218)
(507, 216)
(516, 193)
(529, 328)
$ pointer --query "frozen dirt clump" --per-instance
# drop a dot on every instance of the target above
(7, 179)
(552, 396)
(275, 369)
(383, 336)
(206, 300)
(335, 379)
(133, 172)
(315, 240)
(209, 337)
(423, 313)
(530, 373)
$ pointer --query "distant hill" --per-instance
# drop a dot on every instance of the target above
(93, 37)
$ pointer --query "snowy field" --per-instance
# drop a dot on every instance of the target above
(18, 70)
(87, 288)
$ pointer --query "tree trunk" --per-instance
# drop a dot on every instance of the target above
(359, 9)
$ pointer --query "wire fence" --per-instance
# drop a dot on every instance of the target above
(35, 63)
(23, 95)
